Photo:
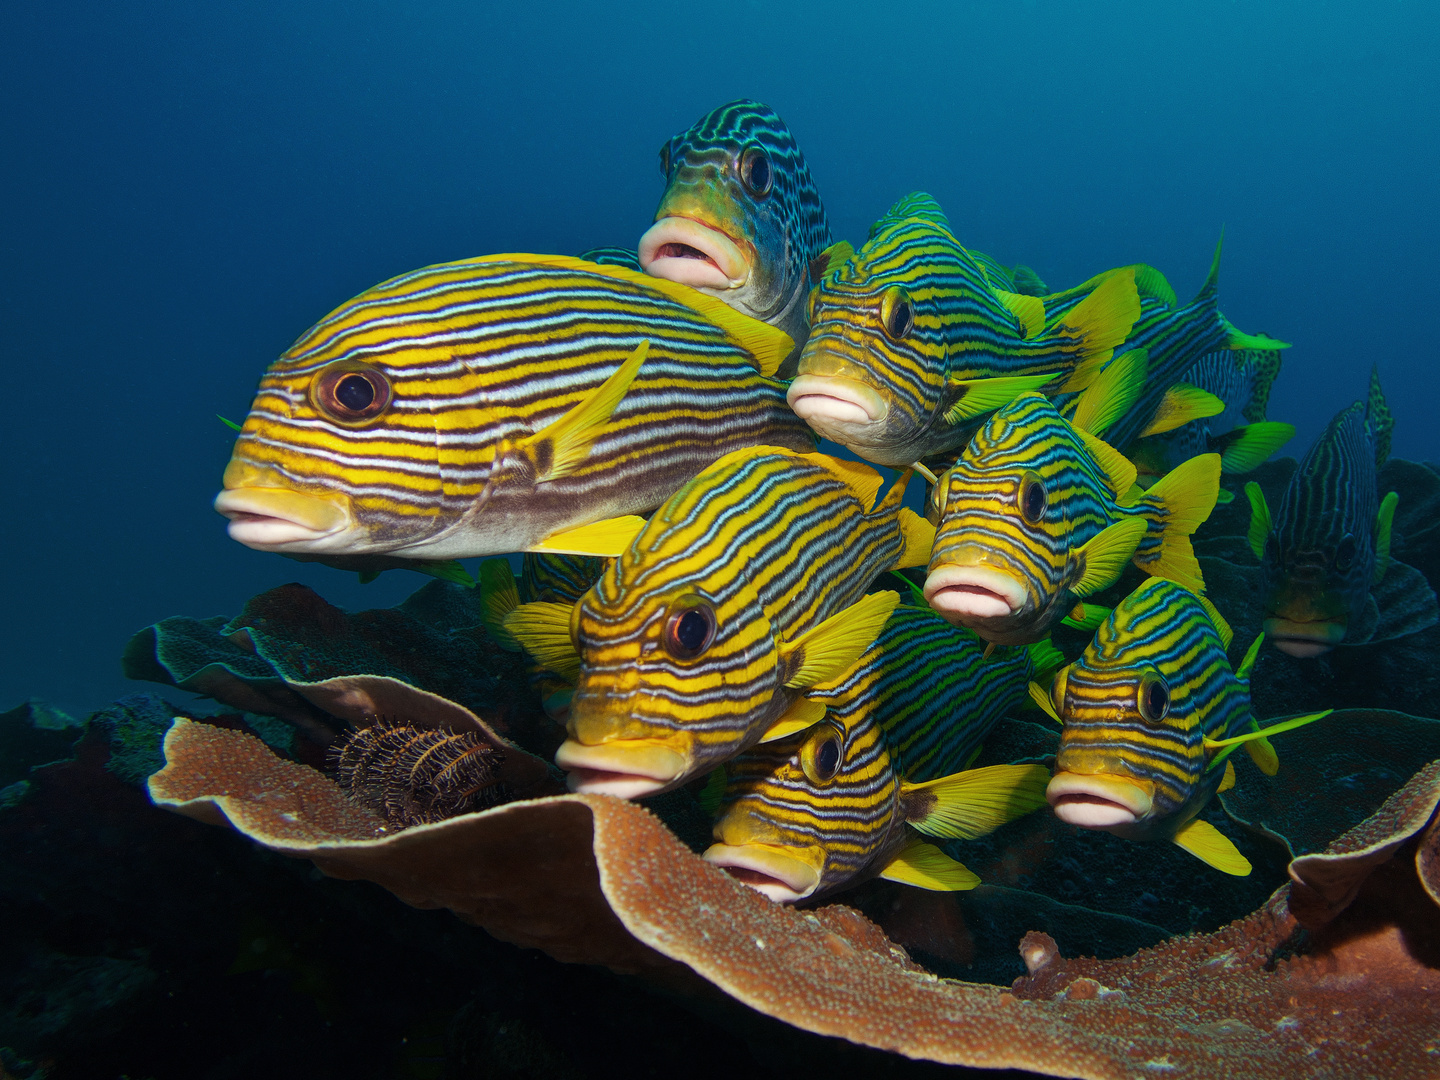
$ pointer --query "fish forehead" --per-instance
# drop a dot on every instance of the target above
(1333, 490)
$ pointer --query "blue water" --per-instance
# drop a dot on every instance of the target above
(187, 187)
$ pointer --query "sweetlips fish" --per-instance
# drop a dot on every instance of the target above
(910, 344)
(1328, 548)
(1038, 512)
(496, 405)
(1151, 710)
(744, 590)
(827, 807)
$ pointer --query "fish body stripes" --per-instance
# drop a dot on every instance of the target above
(412, 419)
(558, 579)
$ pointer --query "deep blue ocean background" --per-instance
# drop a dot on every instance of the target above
(187, 187)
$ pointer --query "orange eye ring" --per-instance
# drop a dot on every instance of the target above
(823, 753)
(690, 629)
(351, 393)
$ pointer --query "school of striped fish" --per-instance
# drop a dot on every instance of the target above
(680, 444)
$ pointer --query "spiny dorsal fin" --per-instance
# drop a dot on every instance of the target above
(980, 396)
(543, 629)
(1119, 471)
(1212, 847)
(802, 713)
(824, 651)
(608, 538)
(1181, 404)
(1152, 283)
(1222, 628)
(927, 867)
(1377, 415)
(971, 804)
(1259, 530)
(1113, 393)
(566, 443)
(498, 597)
(1104, 556)
(1384, 521)
(1028, 310)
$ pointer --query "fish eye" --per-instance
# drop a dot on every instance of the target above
(1345, 553)
(690, 629)
(1033, 498)
(1154, 698)
(755, 172)
(665, 161)
(821, 755)
(350, 393)
(897, 313)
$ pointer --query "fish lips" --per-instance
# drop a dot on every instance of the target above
(1304, 639)
(692, 253)
(840, 408)
(967, 595)
(780, 874)
(1097, 800)
(625, 768)
(278, 519)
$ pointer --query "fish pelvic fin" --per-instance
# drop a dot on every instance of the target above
(927, 867)
(970, 804)
(1225, 746)
(543, 630)
(827, 650)
(498, 597)
(1181, 404)
(980, 396)
(1029, 311)
(1212, 847)
(1113, 393)
(1093, 329)
(1260, 526)
(1250, 445)
(1103, 558)
(1184, 497)
(1119, 472)
(1377, 415)
(608, 538)
(1384, 520)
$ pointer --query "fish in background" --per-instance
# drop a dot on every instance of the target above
(910, 344)
(1326, 554)
(1244, 439)
(1150, 713)
(739, 594)
(827, 807)
(495, 405)
(1038, 512)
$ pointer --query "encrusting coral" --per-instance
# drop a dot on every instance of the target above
(596, 880)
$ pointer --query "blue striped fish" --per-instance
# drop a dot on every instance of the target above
(499, 404)
(1330, 543)
(744, 590)
(910, 344)
(1037, 512)
(1151, 711)
(826, 808)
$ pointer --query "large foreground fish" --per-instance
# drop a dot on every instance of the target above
(496, 405)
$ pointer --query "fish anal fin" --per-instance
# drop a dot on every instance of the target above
(1212, 847)
(1103, 558)
(927, 867)
(608, 538)
(1181, 404)
(824, 651)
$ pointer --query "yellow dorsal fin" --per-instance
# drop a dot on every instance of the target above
(826, 650)
(498, 597)
(1259, 530)
(1265, 733)
(1029, 310)
(609, 538)
(1041, 697)
(927, 867)
(980, 396)
(1151, 282)
(1228, 780)
(969, 804)
(543, 629)
(1104, 556)
(1240, 340)
(1212, 847)
(801, 714)
(768, 345)
(566, 443)
(1181, 404)
(1218, 621)
(919, 537)
(1101, 322)
(1113, 393)
(1119, 472)
(864, 481)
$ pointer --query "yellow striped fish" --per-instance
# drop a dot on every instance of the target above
(1151, 710)
(910, 344)
(1038, 512)
(499, 404)
(826, 808)
(746, 588)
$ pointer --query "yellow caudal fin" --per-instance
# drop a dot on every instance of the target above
(1028, 310)
(1113, 393)
(608, 538)
(1118, 469)
(1384, 522)
(1181, 404)
(980, 396)
(1103, 558)
(1212, 847)
(498, 597)
(559, 449)
(927, 867)
(768, 345)
(1247, 447)
(919, 537)
(1187, 495)
(826, 650)
(1228, 780)
(1096, 326)
(543, 630)
(970, 804)
(801, 714)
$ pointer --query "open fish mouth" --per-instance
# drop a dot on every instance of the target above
(773, 871)
(833, 402)
(627, 769)
(693, 253)
(973, 592)
(1304, 639)
(1097, 800)
(274, 519)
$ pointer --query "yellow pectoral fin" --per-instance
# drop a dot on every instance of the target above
(566, 443)
(975, 802)
(1104, 556)
(980, 396)
(833, 646)
(609, 538)
(1212, 847)
(927, 867)
(801, 714)
(1228, 780)
(543, 630)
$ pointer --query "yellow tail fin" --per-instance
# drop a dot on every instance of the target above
(1098, 324)
(1187, 495)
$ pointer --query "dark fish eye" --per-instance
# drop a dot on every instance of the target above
(690, 629)
(350, 393)
(665, 161)
(1345, 553)
(1033, 498)
(821, 755)
(1154, 698)
(897, 313)
(755, 172)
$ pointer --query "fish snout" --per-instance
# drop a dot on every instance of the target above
(690, 252)
(784, 874)
(611, 751)
(1098, 800)
(970, 586)
(267, 514)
